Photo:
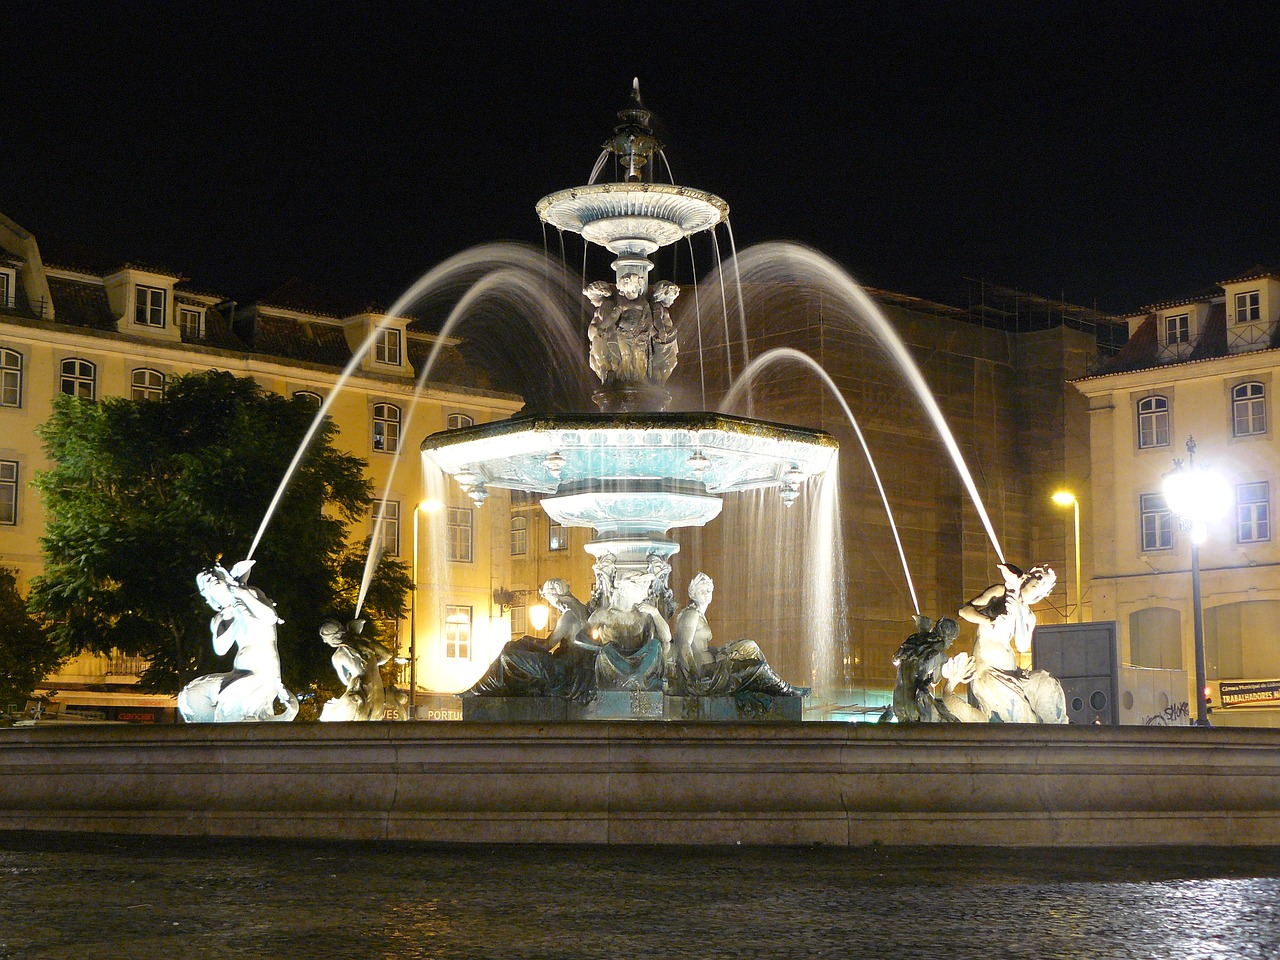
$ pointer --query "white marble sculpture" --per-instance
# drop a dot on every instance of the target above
(244, 618)
(357, 662)
(1006, 622)
(632, 336)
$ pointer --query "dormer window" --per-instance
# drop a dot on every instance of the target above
(1248, 307)
(191, 322)
(149, 307)
(386, 348)
(8, 286)
(1177, 329)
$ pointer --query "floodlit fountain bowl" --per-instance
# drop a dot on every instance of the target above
(635, 217)
(637, 475)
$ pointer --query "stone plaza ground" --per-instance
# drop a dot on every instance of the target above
(132, 897)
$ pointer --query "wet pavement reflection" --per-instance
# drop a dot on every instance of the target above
(107, 898)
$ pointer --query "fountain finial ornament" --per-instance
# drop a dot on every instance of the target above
(632, 336)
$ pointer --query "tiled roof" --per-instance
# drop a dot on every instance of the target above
(1256, 272)
(1212, 341)
(306, 297)
(218, 332)
(57, 251)
(450, 366)
(1137, 353)
(291, 339)
(81, 304)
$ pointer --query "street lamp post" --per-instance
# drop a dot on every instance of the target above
(426, 506)
(1062, 498)
(1192, 494)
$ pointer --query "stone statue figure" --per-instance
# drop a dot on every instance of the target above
(632, 338)
(919, 662)
(1004, 691)
(244, 618)
(629, 635)
(660, 593)
(699, 669)
(558, 666)
(357, 662)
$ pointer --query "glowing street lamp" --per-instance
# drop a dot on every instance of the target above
(1195, 496)
(1065, 498)
(539, 614)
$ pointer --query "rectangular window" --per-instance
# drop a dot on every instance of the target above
(1157, 522)
(149, 309)
(386, 349)
(191, 323)
(557, 537)
(8, 492)
(1248, 307)
(389, 512)
(7, 286)
(460, 534)
(519, 621)
(1177, 329)
(1253, 512)
(457, 632)
(519, 536)
(10, 378)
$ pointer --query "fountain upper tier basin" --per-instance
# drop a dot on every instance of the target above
(603, 469)
(633, 218)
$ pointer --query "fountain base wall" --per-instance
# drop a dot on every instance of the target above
(633, 783)
(634, 705)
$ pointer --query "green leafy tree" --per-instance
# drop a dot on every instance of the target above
(145, 494)
(27, 653)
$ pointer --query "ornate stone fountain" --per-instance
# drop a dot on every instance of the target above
(632, 472)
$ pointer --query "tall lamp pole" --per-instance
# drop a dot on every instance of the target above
(1062, 498)
(1192, 494)
(426, 506)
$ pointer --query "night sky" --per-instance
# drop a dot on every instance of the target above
(1112, 161)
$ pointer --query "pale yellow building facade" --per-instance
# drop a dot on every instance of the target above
(74, 322)
(1200, 367)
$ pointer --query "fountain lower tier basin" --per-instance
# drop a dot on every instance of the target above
(1005, 785)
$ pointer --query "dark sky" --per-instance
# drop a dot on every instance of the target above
(1115, 160)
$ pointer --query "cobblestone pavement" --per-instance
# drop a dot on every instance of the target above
(107, 898)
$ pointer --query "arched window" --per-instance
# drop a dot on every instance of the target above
(79, 378)
(10, 378)
(1248, 409)
(386, 427)
(519, 536)
(312, 398)
(1153, 422)
(148, 384)
(457, 420)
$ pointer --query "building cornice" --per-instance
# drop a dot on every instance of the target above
(146, 349)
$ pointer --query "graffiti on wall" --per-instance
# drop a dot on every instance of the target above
(1174, 715)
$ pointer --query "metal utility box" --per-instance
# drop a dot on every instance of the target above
(1085, 659)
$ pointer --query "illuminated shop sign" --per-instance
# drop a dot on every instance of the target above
(1249, 693)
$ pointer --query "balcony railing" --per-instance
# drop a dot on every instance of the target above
(126, 666)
